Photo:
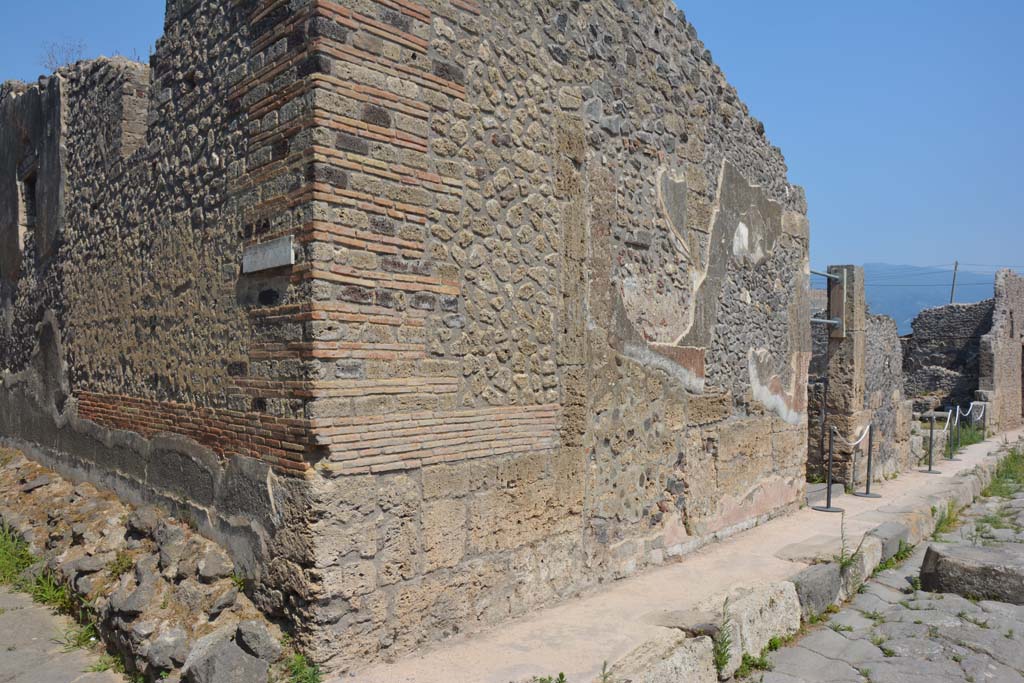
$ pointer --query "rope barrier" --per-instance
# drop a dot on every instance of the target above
(949, 416)
(855, 443)
(970, 409)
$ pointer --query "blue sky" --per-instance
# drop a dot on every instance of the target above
(902, 118)
(107, 27)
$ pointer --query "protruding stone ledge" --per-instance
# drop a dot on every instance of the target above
(975, 571)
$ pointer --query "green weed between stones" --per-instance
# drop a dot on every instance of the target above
(604, 677)
(845, 559)
(721, 645)
(998, 520)
(121, 565)
(301, 671)
(1009, 476)
(972, 620)
(46, 588)
(876, 617)
(239, 581)
(80, 638)
(948, 520)
(15, 557)
(751, 664)
(970, 435)
(108, 662)
(901, 556)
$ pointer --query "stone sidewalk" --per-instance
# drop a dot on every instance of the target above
(31, 650)
(892, 632)
(578, 636)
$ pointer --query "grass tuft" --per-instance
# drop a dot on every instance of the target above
(751, 664)
(107, 663)
(47, 589)
(80, 638)
(120, 565)
(1009, 476)
(15, 557)
(300, 670)
(948, 519)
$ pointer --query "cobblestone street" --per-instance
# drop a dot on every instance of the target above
(32, 652)
(892, 633)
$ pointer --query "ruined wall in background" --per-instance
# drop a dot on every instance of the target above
(1000, 383)
(941, 358)
(883, 396)
(863, 374)
(817, 449)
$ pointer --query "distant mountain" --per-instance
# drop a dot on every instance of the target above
(904, 291)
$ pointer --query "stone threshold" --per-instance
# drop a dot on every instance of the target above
(647, 628)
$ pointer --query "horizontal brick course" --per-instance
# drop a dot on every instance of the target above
(282, 442)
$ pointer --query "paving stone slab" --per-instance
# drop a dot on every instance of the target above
(984, 669)
(832, 645)
(851, 619)
(806, 665)
(905, 670)
(32, 650)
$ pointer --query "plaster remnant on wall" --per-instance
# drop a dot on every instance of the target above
(747, 244)
(788, 402)
(659, 357)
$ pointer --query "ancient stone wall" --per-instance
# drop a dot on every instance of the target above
(817, 375)
(883, 396)
(1000, 382)
(941, 358)
(130, 340)
(612, 269)
(519, 291)
(856, 370)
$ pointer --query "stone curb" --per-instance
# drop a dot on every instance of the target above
(759, 613)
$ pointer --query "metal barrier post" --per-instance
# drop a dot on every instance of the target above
(828, 480)
(953, 437)
(960, 427)
(824, 416)
(931, 448)
(871, 447)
